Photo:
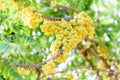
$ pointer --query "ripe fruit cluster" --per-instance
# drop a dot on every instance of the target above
(10, 4)
(49, 68)
(68, 33)
(23, 71)
(2, 5)
(53, 4)
(29, 17)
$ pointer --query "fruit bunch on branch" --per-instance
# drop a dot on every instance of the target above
(73, 34)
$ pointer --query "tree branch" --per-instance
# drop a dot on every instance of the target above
(84, 53)
(39, 64)
(38, 73)
(63, 7)
(102, 58)
(55, 18)
(99, 43)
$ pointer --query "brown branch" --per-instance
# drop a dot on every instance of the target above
(39, 64)
(93, 54)
(85, 57)
(101, 57)
(110, 72)
(64, 7)
(99, 43)
(84, 53)
(55, 18)
(38, 73)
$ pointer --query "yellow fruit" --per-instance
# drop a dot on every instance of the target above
(62, 58)
(30, 18)
(55, 10)
(69, 76)
(53, 4)
(68, 33)
(49, 68)
(23, 71)
(102, 52)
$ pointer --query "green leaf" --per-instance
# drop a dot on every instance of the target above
(5, 48)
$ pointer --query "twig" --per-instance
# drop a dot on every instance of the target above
(55, 18)
(39, 64)
(101, 57)
(99, 43)
(110, 72)
(38, 73)
(93, 54)
(84, 53)
(63, 7)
